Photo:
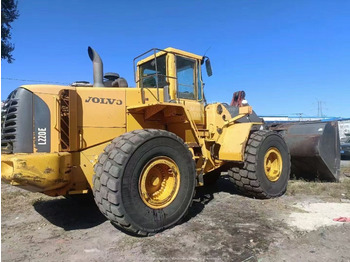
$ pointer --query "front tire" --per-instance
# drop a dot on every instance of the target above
(266, 169)
(144, 181)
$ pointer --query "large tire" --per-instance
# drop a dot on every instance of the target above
(266, 169)
(144, 181)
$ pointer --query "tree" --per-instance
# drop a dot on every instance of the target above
(9, 13)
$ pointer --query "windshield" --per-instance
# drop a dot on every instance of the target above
(185, 69)
(154, 71)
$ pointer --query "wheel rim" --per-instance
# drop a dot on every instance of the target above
(159, 182)
(273, 164)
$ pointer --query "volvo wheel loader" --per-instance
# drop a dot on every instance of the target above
(141, 151)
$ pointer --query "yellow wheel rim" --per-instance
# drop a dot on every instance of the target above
(273, 164)
(159, 182)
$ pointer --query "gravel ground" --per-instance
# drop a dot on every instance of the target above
(221, 226)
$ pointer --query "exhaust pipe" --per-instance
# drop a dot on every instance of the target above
(97, 67)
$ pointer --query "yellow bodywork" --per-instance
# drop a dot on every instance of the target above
(37, 172)
(98, 115)
(232, 141)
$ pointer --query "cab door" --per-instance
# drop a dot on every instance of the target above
(190, 88)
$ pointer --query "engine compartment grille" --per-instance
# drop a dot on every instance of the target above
(9, 120)
(17, 122)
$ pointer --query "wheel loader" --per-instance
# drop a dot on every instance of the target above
(141, 151)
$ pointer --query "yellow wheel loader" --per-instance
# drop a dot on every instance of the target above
(140, 151)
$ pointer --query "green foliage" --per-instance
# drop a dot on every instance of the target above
(9, 13)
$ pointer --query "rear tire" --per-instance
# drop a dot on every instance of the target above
(145, 181)
(266, 169)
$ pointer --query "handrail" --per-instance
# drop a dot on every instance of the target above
(156, 68)
(137, 79)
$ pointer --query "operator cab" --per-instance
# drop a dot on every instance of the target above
(173, 69)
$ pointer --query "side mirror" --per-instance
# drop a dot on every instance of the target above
(208, 67)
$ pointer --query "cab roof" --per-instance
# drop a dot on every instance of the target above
(169, 50)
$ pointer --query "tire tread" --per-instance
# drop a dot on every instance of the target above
(245, 178)
(108, 174)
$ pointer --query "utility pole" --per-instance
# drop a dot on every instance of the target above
(300, 116)
(319, 108)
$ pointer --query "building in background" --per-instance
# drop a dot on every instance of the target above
(343, 123)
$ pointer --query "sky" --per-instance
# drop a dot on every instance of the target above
(291, 57)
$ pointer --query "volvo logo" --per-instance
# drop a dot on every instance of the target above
(103, 100)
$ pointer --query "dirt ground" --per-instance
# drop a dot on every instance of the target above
(221, 226)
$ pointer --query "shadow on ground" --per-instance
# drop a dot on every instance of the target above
(205, 195)
(75, 214)
(70, 214)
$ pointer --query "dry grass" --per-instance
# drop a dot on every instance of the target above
(340, 190)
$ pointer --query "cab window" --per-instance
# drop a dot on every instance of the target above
(152, 71)
(185, 74)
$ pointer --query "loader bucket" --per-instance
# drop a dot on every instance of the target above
(314, 148)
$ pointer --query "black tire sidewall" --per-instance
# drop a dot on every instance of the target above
(273, 188)
(142, 216)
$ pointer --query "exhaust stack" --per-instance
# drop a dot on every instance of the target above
(97, 67)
